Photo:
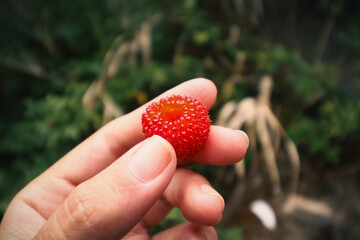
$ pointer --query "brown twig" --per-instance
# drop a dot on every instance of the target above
(264, 128)
(325, 35)
(111, 64)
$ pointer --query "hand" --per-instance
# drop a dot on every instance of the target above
(117, 185)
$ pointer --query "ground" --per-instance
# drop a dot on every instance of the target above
(327, 205)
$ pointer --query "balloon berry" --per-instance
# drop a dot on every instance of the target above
(181, 120)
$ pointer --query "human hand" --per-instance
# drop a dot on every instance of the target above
(117, 185)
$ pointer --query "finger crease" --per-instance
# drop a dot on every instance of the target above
(31, 205)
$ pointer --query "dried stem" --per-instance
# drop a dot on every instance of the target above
(264, 128)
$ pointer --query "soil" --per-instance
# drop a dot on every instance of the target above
(326, 206)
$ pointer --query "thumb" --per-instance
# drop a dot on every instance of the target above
(110, 204)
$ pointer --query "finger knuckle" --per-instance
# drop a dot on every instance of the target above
(82, 208)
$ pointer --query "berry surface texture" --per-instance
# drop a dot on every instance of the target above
(181, 120)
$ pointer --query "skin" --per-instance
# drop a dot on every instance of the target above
(117, 185)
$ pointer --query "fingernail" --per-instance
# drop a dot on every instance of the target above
(150, 159)
(212, 192)
(245, 136)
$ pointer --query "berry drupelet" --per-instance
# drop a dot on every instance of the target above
(181, 120)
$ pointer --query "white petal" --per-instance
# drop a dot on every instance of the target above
(264, 212)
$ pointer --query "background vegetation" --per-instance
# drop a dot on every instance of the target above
(52, 52)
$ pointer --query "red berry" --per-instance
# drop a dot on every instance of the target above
(181, 120)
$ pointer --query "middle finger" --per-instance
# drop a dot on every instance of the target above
(198, 201)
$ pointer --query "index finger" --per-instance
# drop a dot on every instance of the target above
(114, 139)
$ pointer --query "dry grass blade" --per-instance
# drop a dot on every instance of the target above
(246, 112)
(268, 154)
(237, 193)
(226, 112)
(111, 109)
(119, 52)
(92, 94)
(291, 151)
(255, 115)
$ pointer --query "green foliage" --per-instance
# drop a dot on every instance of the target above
(48, 129)
(327, 110)
(230, 233)
(174, 218)
(337, 121)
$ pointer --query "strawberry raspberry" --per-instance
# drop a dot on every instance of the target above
(181, 120)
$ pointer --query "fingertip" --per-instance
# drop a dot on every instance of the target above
(204, 89)
(203, 205)
(209, 191)
(198, 201)
(151, 159)
(210, 84)
(223, 147)
(167, 145)
(245, 136)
